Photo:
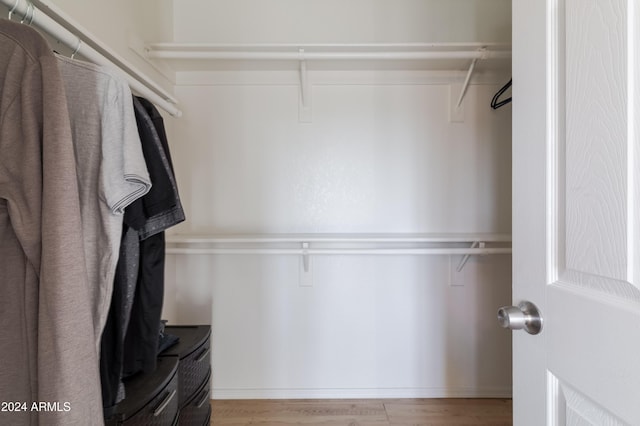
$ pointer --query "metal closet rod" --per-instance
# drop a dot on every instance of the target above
(59, 27)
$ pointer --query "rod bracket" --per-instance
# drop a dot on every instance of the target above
(304, 105)
(306, 278)
(465, 258)
(456, 112)
(467, 80)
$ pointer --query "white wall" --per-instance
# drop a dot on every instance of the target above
(380, 155)
(368, 327)
(339, 21)
(110, 21)
(120, 24)
(376, 158)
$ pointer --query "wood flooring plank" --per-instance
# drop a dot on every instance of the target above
(450, 412)
(448, 408)
(364, 412)
(296, 408)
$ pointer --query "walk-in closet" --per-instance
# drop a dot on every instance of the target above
(319, 212)
(345, 172)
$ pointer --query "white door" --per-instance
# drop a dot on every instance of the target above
(576, 210)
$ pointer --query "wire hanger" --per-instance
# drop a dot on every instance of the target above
(13, 8)
(73, 55)
(30, 7)
(495, 102)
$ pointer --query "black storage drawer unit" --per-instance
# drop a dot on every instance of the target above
(151, 399)
(177, 392)
(194, 369)
(197, 411)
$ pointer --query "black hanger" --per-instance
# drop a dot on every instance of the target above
(495, 104)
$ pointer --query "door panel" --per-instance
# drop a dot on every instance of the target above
(593, 349)
(590, 345)
(599, 179)
(581, 411)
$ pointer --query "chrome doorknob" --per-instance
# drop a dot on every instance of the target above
(524, 316)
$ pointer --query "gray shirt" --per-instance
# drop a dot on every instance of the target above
(110, 166)
(46, 326)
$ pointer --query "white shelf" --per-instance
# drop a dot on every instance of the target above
(341, 244)
(319, 237)
(458, 60)
(440, 56)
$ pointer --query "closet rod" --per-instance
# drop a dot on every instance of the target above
(466, 238)
(372, 251)
(64, 30)
(307, 55)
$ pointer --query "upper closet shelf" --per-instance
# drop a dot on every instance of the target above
(461, 244)
(460, 57)
(439, 56)
(463, 58)
(341, 237)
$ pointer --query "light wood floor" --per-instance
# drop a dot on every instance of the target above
(428, 412)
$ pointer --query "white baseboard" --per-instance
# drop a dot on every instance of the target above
(484, 392)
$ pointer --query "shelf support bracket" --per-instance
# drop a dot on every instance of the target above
(304, 106)
(456, 113)
(305, 256)
(465, 85)
(306, 278)
(465, 258)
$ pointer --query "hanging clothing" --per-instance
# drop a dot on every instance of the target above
(130, 339)
(143, 332)
(113, 335)
(46, 324)
(111, 170)
(162, 208)
(151, 215)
